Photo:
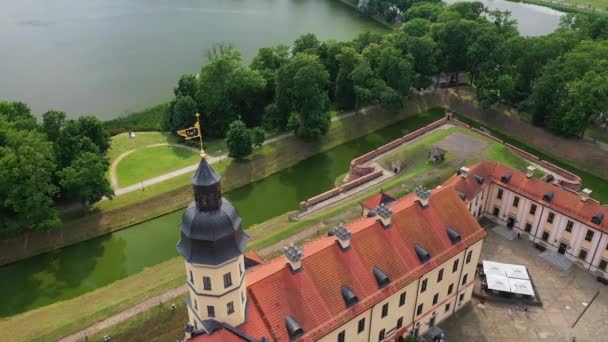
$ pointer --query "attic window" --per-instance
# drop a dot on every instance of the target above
(548, 197)
(422, 254)
(597, 219)
(462, 195)
(349, 296)
(479, 179)
(549, 178)
(381, 278)
(294, 330)
(506, 178)
(453, 235)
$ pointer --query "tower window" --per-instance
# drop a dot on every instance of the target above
(435, 298)
(569, 226)
(423, 286)
(230, 308)
(342, 336)
(419, 310)
(455, 266)
(461, 297)
(447, 307)
(207, 283)
(499, 195)
(469, 255)
(210, 311)
(227, 280)
(551, 217)
(399, 322)
(191, 278)
(440, 275)
(464, 279)
(533, 209)
(450, 289)
(516, 202)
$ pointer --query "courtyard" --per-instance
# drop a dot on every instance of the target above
(564, 295)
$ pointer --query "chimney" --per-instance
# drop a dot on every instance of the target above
(464, 172)
(343, 236)
(423, 196)
(530, 171)
(385, 215)
(294, 255)
(585, 194)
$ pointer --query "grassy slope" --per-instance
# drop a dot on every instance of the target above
(149, 119)
(66, 317)
(150, 162)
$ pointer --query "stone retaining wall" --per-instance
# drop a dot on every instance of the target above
(361, 172)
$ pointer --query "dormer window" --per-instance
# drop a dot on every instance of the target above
(597, 218)
(453, 235)
(422, 254)
(381, 278)
(506, 178)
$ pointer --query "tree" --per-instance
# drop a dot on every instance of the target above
(26, 172)
(257, 136)
(180, 114)
(301, 85)
(307, 43)
(92, 128)
(396, 70)
(238, 140)
(417, 27)
(18, 114)
(52, 124)
(227, 90)
(186, 86)
(267, 62)
(345, 92)
(84, 180)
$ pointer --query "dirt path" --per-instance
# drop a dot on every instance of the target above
(119, 191)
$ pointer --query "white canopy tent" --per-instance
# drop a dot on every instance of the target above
(507, 278)
(499, 283)
(521, 286)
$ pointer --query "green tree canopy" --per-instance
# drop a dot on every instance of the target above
(238, 140)
(84, 179)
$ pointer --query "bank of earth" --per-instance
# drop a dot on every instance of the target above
(66, 317)
(174, 194)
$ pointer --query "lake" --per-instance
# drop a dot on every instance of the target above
(111, 57)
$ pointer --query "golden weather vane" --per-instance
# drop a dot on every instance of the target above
(193, 133)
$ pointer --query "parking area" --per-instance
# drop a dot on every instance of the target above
(565, 295)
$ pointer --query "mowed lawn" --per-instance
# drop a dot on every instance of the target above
(149, 162)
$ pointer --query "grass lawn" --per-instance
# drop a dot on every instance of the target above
(149, 162)
(66, 317)
(121, 143)
(597, 133)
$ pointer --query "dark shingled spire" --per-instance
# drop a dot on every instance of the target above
(206, 185)
(381, 278)
(294, 330)
(211, 231)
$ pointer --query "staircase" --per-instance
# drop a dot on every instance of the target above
(557, 259)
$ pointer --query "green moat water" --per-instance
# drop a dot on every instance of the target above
(74, 270)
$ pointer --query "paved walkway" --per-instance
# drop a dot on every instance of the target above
(138, 186)
(565, 296)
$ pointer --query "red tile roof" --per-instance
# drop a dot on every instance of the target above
(565, 201)
(312, 296)
(376, 200)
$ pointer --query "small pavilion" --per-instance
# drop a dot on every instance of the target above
(436, 154)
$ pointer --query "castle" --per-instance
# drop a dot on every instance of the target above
(401, 268)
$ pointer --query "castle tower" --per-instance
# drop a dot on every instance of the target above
(212, 244)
